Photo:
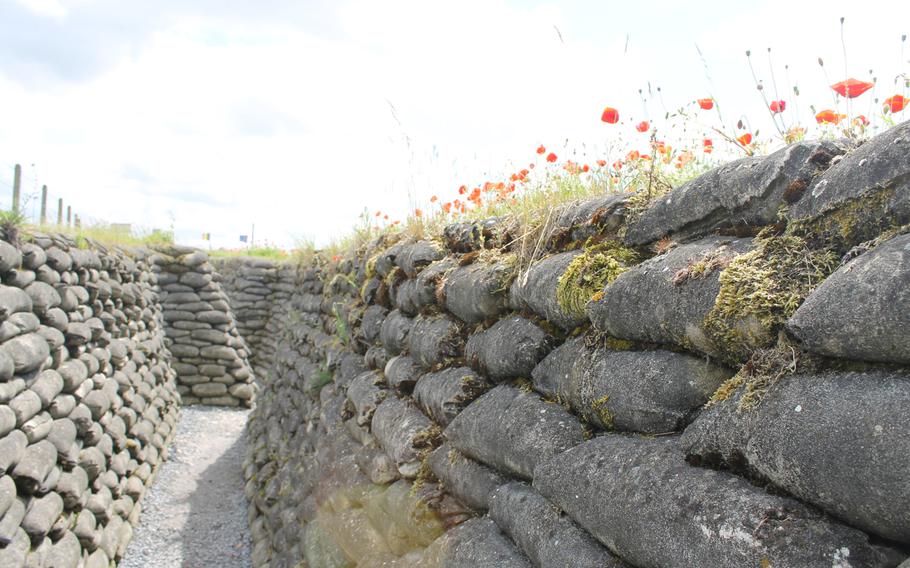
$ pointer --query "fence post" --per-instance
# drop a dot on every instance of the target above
(76, 222)
(59, 211)
(43, 205)
(69, 215)
(17, 181)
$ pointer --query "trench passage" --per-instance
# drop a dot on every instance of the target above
(195, 513)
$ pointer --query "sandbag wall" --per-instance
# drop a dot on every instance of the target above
(256, 287)
(715, 377)
(88, 400)
(210, 356)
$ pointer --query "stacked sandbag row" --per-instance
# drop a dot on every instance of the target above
(88, 400)
(256, 287)
(712, 377)
(210, 357)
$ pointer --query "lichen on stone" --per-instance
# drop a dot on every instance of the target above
(760, 290)
(590, 272)
(599, 407)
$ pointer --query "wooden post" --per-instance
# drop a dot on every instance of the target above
(43, 205)
(69, 215)
(59, 211)
(76, 222)
(17, 181)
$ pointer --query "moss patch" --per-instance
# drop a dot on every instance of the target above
(763, 370)
(589, 273)
(851, 223)
(760, 290)
(715, 259)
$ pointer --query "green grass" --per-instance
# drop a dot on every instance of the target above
(258, 252)
(107, 234)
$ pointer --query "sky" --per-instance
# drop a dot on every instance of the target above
(287, 119)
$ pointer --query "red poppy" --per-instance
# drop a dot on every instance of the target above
(336, 258)
(706, 104)
(378, 213)
(617, 165)
(462, 190)
(601, 163)
(610, 115)
(860, 120)
(708, 145)
(643, 126)
(828, 117)
(851, 88)
(475, 194)
(778, 106)
(434, 199)
(633, 155)
(745, 139)
(541, 149)
(551, 157)
(896, 103)
(447, 206)
(418, 213)
(585, 168)
(386, 217)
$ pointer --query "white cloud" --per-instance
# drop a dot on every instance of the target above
(220, 120)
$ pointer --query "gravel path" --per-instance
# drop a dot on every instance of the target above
(194, 515)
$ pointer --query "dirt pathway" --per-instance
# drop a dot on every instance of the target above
(194, 516)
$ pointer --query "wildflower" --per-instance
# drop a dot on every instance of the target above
(447, 206)
(610, 115)
(706, 104)
(828, 117)
(601, 163)
(336, 258)
(541, 149)
(475, 194)
(551, 157)
(643, 126)
(745, 139)
(385, 217)
(617, 165)
(860, 121)
(851, 88)
(896, 103)
(378, 213)
(585, 168)
(633, 155)
(418, 213)
(794, 134)
(778, 106)
(707, 145)
(434, 199)
(462, 190)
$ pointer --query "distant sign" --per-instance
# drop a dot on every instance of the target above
(243, 238)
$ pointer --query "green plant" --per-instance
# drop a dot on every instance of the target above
(11, 224)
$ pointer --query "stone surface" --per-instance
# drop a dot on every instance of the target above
(513, 430)
(654, 511)
(862, 311)
(787, 440)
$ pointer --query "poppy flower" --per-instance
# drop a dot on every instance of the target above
(851, 88)
(434, 199)
(828, 117)
(633, 155)
(336, 258)
(385, 217)
(617, 165)
(585, 168)
(860, 120)
(708, 145)
(551, 157)
(447, 206)
(706, 104)
(610, 115)
(541, 149)
(896, 103)
(378, 213)
(778, 106)
(745, 139)
(643, 126)
(462, 190)
(601, 163)
(418, 213)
